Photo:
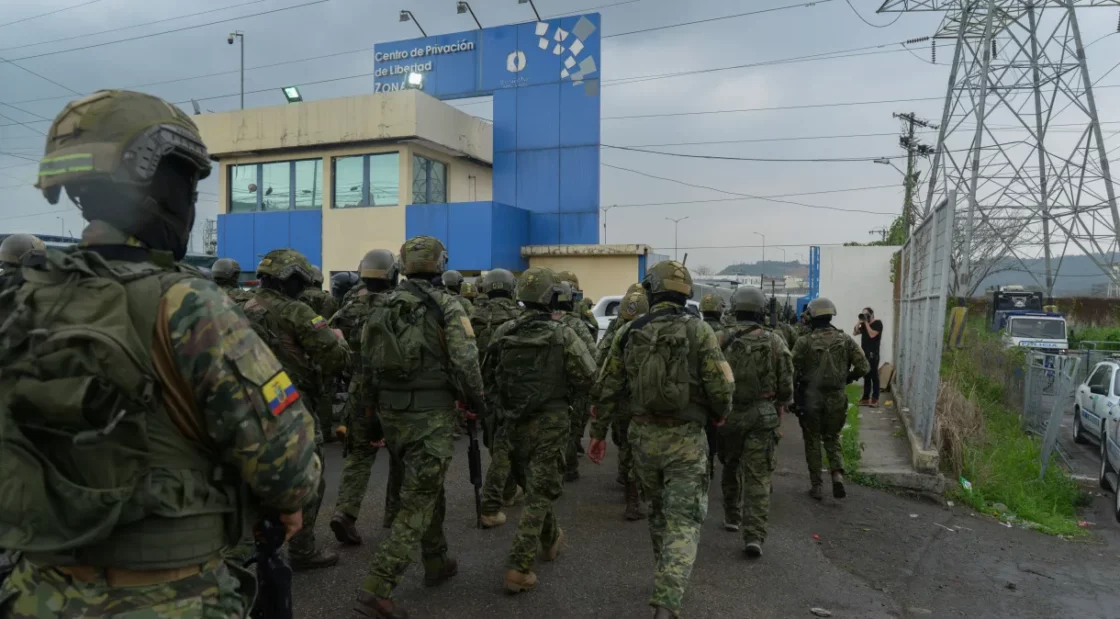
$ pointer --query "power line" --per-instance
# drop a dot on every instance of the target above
(592, 8)
(151, 23)
(23, 124)
(744, 195)
(757, 159)
(781, 195)
(183, 29)
(864, 20)
(35, 159)
(713, 19)
(65, 8)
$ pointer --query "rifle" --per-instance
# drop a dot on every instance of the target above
(274, 577)
(474, 458)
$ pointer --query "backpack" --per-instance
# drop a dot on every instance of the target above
(487, 318)
(657, 355)
(397, 328)
(77, 395)
(530, 365)
(265, 321)
(831, 352)
(750, 352)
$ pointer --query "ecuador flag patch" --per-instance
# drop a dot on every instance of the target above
(280, 393)
(318, 322)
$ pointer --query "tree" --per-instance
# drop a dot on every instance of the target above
(703, 270)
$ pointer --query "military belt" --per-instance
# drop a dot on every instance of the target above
(660, 421)
(119, 577)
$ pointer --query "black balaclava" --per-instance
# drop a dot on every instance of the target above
(750, 316)
(820, 322)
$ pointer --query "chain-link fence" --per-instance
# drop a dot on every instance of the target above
(1049, 382)
(1091, 353)
(924, 290)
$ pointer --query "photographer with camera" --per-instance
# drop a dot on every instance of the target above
(870, 331)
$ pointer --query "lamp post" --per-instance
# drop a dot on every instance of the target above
(530, 3)
(605, 209)
(61, 226)
(240, 36)
(676, 227)
(463, 7)
(407, 15)
(783, 250)
(763, 248)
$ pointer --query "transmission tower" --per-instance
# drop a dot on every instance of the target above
(210, 237)
(1019, 69)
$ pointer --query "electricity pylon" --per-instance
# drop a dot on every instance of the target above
(1019, 70)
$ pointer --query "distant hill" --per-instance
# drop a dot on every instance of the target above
(770, 268)
(1075, 276)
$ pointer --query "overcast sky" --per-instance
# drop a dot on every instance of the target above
(713, 231)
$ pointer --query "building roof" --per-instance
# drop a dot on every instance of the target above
(396, 116)
(585, 250)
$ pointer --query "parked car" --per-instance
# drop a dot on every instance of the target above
(1094, 399)
(606, 309)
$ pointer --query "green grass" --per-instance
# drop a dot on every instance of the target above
(1094, 334)
(850, 443)
(1004, 466)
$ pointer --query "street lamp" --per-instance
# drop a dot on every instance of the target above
(415, 81)
(605, 209)
(407, 15)
(463, 7)
(782, 249)
(885, 161)
(530, 3)
(676, 226)
(291, 93)
(240, 36)
(61, 226)
(763, 248)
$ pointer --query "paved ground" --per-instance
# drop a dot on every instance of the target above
(878, 555)
(1084, 460)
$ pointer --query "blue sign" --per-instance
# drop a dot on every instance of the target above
(545, 79)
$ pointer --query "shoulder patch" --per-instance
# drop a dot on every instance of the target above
(280, 393)
(466, 322)
(318, 323)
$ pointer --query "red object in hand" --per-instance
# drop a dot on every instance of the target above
(597, 450)
(377, 443)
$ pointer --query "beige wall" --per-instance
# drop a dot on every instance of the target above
(598, 275)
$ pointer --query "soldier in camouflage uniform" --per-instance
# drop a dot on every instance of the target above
(581, 406)
(501, 484)
(604, 345)
(670, 366)
(535, 364)
(633, 306)
(307, 349)
(14, 248)
(763, 372)
(469, 292)
(452, 282)
(362, 433)
(223, 404)
(226, 273)
(419, 357)
(825, 362)
(712, 308)
(325, 305)
(578, 308)
(318, 299)
(345, 286)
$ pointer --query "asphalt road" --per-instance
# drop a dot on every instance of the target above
(875, 555)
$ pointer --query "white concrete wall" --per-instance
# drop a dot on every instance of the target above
(857, 277)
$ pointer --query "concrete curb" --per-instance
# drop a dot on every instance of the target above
(923, 473)
(925, 461)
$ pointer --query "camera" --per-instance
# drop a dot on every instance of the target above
(863, 316)
(229, 39)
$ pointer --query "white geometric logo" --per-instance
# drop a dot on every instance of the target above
(515, 62)
(575, 68)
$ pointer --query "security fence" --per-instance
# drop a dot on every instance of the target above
(1091, 353)
(922, 296)
(1049, 382)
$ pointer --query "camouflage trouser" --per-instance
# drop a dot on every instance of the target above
(821, 421)
(356, 469)
(672, 466)
(504, 474)
(324, 410)
(538, 442)
(620, 434)
(219, 592)
(423, 442)
(580, 415)
(302, 544)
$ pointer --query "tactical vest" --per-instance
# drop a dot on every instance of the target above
(659, 352)
(530, 372)
(487, 318)
(95, 470)
(829, 348)
(749, 350)
(263, 312)
(407, 350)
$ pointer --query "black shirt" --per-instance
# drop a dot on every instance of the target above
(868, 343)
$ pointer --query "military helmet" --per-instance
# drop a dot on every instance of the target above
(423, 254)
(225, 270)
(821, 306)
(634, 288)
(378, 264)
(285, 263)
(570, 277)
(565, 292)
(341, 283)
(498, 279)
(118, 136)
(452, 280)
(537, 285)
(15, 246)
(668, 276)
(712, 304)
(316, 275)
(748, 299)
(633, 305)
(468, 290)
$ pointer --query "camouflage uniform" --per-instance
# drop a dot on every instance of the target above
(236, 294)
(538, 432)
(824, 412)
(748, 438)
(670, 449)
(581, 406)
(632, 306)
(225, 272)
(319, 300)
(308, 349)
(419, 417)
(788, 333)
(216, 385)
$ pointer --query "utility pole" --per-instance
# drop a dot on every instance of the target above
(914, 148)
(676, 227)
(605, 209)
(240, 37)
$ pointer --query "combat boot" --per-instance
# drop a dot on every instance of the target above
(369, 605)
(439, 570)
(490, 521)
(553, 551)
(516, 581)
(815, 492)
(754, 549)
(342, 525)
(323, 557)
(838, 490)
(660, 612)
(633, 502)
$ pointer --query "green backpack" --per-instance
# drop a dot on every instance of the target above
(750, 352)
(396, 334)
(77, 391)
(657, 355)
(530, 365)
(831, 352)
(486, 320)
